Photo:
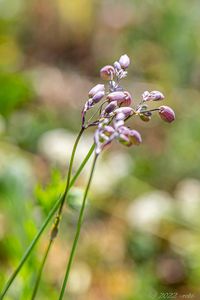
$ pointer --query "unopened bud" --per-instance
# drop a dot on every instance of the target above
(97, 88)
(127, 111)
(116, 96)
(107, 72)
(124, 139)
(108, 130)
(129, 137)
(128, 99)
(110, 107)
(154, 95)
(167, 114)
(124, 61)
(146, 96)
(98, 96)
(120, 116)
(117, 65)
(135, 137)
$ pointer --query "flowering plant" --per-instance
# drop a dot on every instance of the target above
(115, 107)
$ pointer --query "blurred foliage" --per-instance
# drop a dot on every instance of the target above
(15, 90)
(141, 236)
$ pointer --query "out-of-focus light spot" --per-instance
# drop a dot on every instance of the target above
(188, 196)
(146, 212)
(80, 279)
(56, 145)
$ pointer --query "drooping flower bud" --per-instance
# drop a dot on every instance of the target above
(108, 130)
(116, 96)
(135, 137)
(146, 96)
(156, 95)
(107, 72)
(117, 65)
(129, 137)
(98, 96)
(153, 95)
(120, 116)
(110, 107)
(97, 88)
(126, 110)
(124, 139)
(167, 114)
(124, 61)
(128, 99)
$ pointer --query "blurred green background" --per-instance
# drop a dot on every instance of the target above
(141, 235)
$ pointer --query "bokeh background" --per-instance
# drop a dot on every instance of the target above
(141, 235)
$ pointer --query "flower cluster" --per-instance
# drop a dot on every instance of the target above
(115, 108)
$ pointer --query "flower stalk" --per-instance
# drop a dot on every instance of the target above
(55, 228)
(78, 229)
(42, 228)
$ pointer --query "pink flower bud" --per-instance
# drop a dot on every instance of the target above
(116, 96)
(122, 98)
(126, 110)
(107, 72)
(154, 95)
(98, 96)
(117, 65)
(167, 114)
(97, 88)
(110, 107)
(129, 137)
(135, 137)
(120, 116)
(124, 130)
(124, 139)
(146, 96)
(108, 130)
(128, 99)
(124, 61)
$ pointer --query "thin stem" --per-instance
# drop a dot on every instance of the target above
(40, 270)
(78, 229)
(42, 228)
(55, 228)
(150, 110)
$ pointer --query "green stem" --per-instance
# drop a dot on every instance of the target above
(41, 230)
(55, 228)
(78, 229)
(40, 271)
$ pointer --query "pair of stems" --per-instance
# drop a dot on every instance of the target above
(55, 228)
(43, 227)
(78, 229)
